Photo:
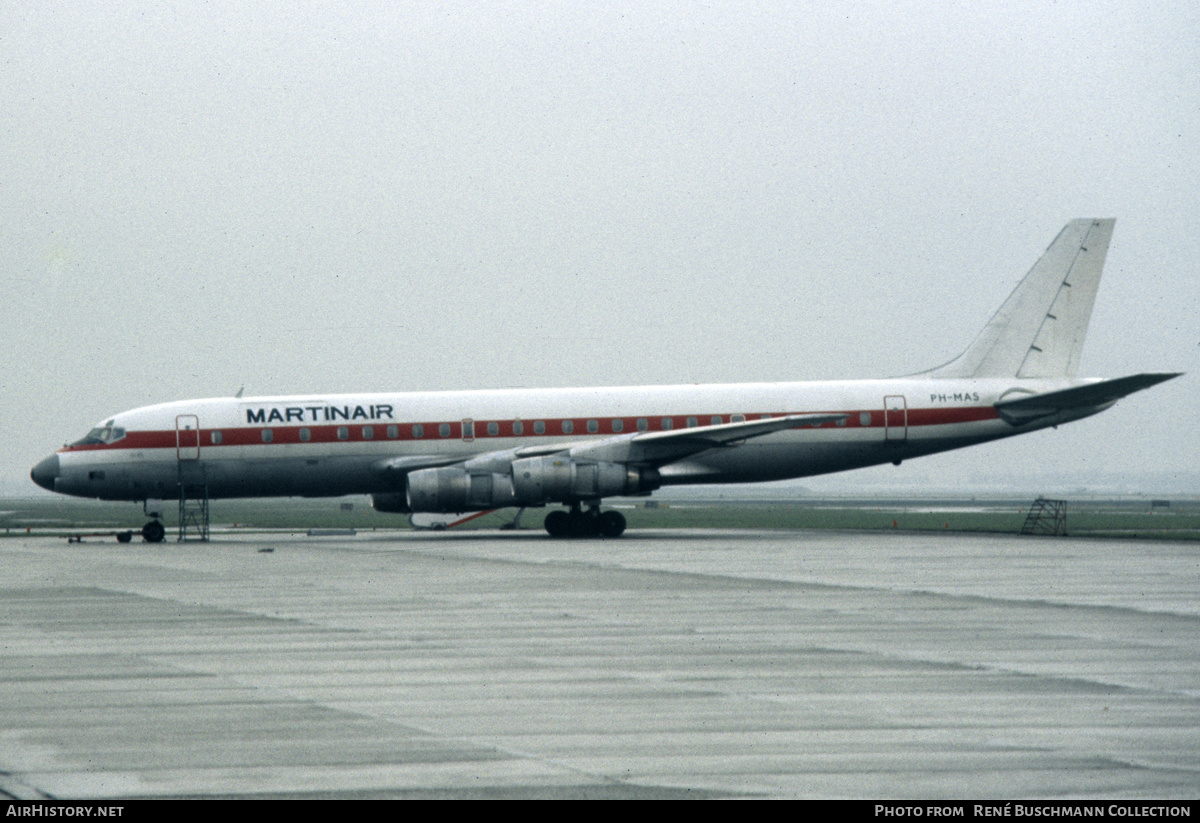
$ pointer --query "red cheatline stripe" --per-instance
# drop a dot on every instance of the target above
(553, 427)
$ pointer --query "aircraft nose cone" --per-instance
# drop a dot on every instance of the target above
(46, 472)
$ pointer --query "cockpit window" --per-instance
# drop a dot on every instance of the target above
(101, 436)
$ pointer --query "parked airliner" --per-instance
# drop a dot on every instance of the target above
(477, 450)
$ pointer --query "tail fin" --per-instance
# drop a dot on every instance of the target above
(1039, 330)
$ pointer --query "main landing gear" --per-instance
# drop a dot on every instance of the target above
(578, 523)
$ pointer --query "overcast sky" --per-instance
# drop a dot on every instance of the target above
(336, 197)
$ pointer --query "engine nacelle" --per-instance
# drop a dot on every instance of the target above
(533, 481)
(453, 489)
(556, 478)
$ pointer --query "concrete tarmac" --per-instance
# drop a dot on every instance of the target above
(661, 665)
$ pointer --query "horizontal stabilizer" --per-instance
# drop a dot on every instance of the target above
(1091, 396)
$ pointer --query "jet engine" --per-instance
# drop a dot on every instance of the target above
(532, 481)
(455, 489)
(566, 480)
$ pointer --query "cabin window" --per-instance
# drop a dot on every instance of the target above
(716, 420)
(618, 425)
(343, 433)
(368, 432)
(864, 419)
(493, 429)
(593, 426)
(692, 422)
(305, 435)
(539, 427)
(393, 432)
(216, 438)
(667, 423)
(418, 431)
(518, 428)
(568, 426)
(444, 430)
(738, 418)
(268, 435)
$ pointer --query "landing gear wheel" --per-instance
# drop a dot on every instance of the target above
(153, 532)
(124, 537)
(558, 523)
(612, 524)
(579, 523)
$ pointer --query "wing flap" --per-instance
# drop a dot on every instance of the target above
(665, 446)
(725, 433)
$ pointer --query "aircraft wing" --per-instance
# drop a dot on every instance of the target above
(648, 448)
(645, 448)
(1096, 396)
(661, 447)
(404, 465)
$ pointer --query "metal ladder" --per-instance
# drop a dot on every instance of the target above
(1046, 517)
(193, 511)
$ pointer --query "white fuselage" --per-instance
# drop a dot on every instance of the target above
(329, 445)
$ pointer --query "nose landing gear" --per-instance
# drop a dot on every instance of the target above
(154, 532)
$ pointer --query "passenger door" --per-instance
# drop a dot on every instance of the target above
(187, 437)
(895, 418)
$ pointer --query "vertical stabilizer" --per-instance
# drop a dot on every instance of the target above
(1039, 330)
